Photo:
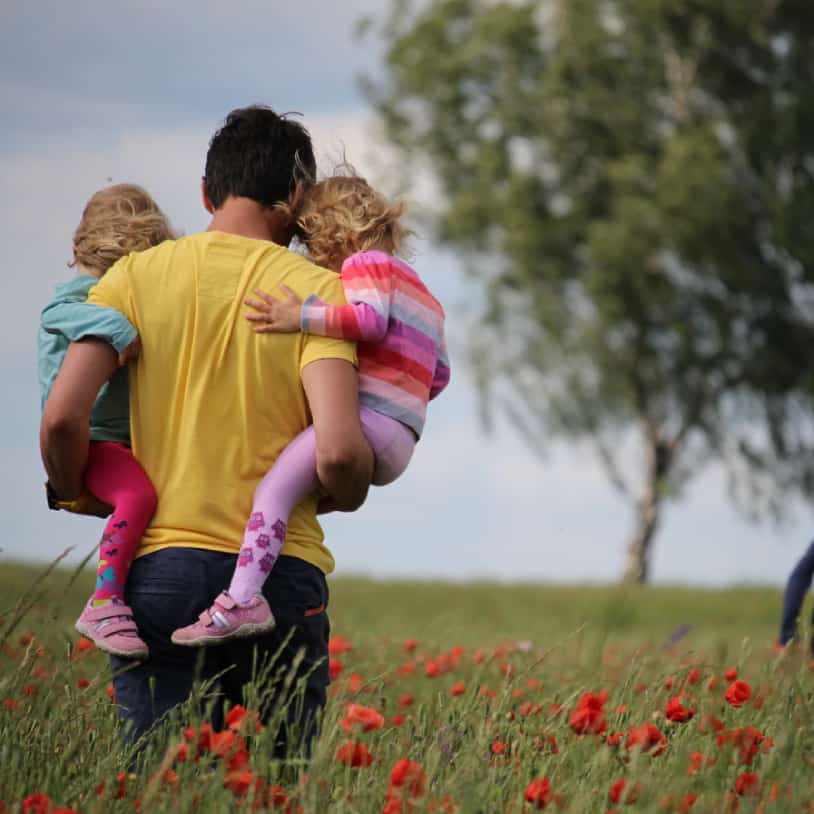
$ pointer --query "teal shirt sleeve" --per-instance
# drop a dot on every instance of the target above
(81, 320)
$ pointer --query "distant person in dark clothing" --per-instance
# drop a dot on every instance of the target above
(798, 583)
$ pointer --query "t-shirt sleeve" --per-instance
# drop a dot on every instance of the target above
(324, 347)
(113, 290)
(79, 320)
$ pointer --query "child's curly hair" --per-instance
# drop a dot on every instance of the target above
(116, 221)
(342, 215)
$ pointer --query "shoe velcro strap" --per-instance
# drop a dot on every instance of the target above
(223, 600)
(125, 626)
(109, 611)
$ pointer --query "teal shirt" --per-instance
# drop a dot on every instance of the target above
(69, 318)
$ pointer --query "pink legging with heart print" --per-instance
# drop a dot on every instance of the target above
(114, 476)
(293, 476)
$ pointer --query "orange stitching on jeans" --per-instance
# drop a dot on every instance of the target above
(314, 611)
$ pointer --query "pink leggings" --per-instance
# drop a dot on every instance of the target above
(116, 477)
(293, 476)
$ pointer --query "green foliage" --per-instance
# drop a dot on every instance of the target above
(527, 647)
(632, 181)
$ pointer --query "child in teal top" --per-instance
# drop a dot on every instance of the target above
(61, 323)
(116, 221)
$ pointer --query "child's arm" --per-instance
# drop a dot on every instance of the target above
(365, 318)
(441, 378)
(81, 320)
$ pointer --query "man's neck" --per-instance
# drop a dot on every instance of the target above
(247, 218)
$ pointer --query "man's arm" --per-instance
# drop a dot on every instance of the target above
(344, 458)
(65, 422)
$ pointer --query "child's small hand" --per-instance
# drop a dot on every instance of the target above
(275, 316)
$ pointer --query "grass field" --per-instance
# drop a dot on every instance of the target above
(466, 698)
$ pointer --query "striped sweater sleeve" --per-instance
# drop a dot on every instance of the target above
(441, 377)
(368, 287)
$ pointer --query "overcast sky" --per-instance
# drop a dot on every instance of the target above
(132, 91)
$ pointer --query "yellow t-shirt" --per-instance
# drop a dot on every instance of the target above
(212, 404)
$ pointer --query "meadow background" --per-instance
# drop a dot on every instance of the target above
(476, 684)
(483, 659)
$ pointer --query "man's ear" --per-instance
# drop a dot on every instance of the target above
(205, 197)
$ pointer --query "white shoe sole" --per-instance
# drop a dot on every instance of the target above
(246, 631)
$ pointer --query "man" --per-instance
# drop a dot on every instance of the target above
(212, 405)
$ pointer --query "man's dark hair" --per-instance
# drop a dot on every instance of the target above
(258, 154)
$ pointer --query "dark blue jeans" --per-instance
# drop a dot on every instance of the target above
(798, 583)
(168, 589)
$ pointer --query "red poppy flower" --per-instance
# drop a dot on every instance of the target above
(239, 718)
(397, 720)
(686, 802)
(647, 738)
(458, 688)
(276, 796)
(238, 782)
(410, 645)
(354, 754)
(549, 743)
(615, 738)
(746, 740)
(366, 718)
(694, 676)
(406, 700)
(337, 645)
(408, 775)
(538, 793)
(36, 804)
(500, 748)
(698, 760)
(675, 711)
(731, 674)
(335, 668)
(618, 794)
(748, 783)
(85, 645)
(588, 717)
(738, 693)
(83, 683)
(710, 722)
(431, 669)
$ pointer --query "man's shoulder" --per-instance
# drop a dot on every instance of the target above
(298, 272)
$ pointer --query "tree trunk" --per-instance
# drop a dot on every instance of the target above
(659, 456)
(637, 558)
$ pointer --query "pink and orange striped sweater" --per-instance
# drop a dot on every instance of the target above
(399, 326)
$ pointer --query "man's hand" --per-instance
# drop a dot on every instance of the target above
(130, 352)
(273, 315)
(87, 503)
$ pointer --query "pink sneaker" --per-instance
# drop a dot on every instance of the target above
(227, 620)
(111, 628)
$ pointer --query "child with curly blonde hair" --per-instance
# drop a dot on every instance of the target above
(349, 227)
(116, 221)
